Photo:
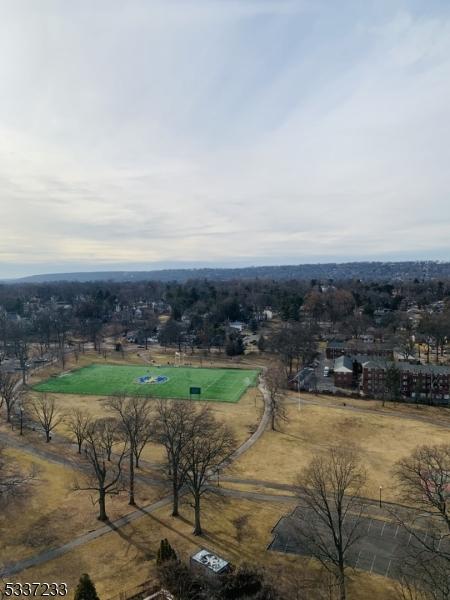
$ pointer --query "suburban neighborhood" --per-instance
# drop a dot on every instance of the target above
(225, 300)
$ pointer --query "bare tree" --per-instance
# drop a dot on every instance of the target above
(424, 481)
(12, 480)
(294, 343)
(319, 584)
(175, 422)
(47, 414)
(110, 431)
(330, 510)
(106, 477)
(405, 344)
(424, 576)
(275, 380)
(209, 444)
(78, 423)
(21, 341)
(9, 392)
(134, 414)
(61, 321)
(144, 433)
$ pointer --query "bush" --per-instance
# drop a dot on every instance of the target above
(245, 583)
(180, 580)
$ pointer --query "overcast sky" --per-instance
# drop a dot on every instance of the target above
(149, 133)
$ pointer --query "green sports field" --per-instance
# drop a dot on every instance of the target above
(223, 385)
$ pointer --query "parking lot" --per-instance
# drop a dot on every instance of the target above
(383, 547)
(325, 383)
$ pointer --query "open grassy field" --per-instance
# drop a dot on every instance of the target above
(125, 558)
(381, 439)
(50, 513)
(224, 385)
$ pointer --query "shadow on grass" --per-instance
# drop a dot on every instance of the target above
(131, 539)
(169, 526)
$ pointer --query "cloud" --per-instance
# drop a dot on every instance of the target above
(233, 131)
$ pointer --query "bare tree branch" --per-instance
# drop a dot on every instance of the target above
(106, 476)
(78, 423)
(44, 408)
(330, 511)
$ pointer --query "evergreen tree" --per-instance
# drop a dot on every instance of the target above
(262, 343)
(393, 382)
(165, 552)
(234, 345)
(85, 589)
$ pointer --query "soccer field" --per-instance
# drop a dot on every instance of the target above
(224, 385)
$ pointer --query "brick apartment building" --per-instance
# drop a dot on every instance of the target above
(421, 383)
(336, 348)
(344, 373)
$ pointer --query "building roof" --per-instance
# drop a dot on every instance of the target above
(343, 364)
(408, 367)
(424, 369)
(303, 374)
(376, 364)
(355, 344)
(210, 560)
(339, 344)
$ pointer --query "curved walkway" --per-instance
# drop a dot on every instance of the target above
(268, 497)
(81, 540)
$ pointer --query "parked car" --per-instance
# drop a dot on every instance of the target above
(326, 371)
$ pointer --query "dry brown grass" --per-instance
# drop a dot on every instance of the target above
(123, 559)
(279, 456)
(51, 513)
(415, 411)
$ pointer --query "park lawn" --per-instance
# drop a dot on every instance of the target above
(242, 417)
(224, 385)
(381, 440)
(50, 513)
(122, 560)
(434, 414)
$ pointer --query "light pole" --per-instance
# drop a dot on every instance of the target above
(21, 419)
(380, 494)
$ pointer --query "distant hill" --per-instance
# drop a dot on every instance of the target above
(337, 271)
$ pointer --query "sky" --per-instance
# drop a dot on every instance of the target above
(148, 134)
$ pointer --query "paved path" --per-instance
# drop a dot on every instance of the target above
(74, 462)
(42, 557)
(259, 482)
(257, 434)
(47, 555)
(254, 495)
(261, 496)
